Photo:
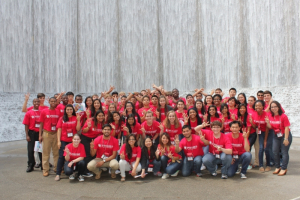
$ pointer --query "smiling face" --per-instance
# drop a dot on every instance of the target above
(100, 117)
(162, 102)
(116, 117)
(175, 93)
(171, 117)
(208, 100)
(199, 105)
(106, 131)
(130, 120)
(164, 140)
(231, 103)
(65, 99)
(180, 105)
(190, 99)
(242, 110)
(212, 111)
(148, 142)
(235, 128)
(129, 107)
(112, 108)
(89, 102)
(146, 101)
(258, 107)
(192, 114)
(186, 132)
(154, 101)
(274, 108)
(36, 104)
(69, 111)
(241, 98)
(217, 101)
(131, 140)
(224, 110)
(96, 105)
(251, 101)
(149, 117)
(76, 140)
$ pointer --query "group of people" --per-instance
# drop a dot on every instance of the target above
(157, 132)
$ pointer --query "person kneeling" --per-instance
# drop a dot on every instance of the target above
(192, 148)
(74, 155)
(220, 148)
(171, 162)
(105, 148)
(240, 149)
(130, 155)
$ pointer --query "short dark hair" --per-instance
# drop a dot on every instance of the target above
(232, 89)
(258, 101)
(235, 122)
(106, 125)
(186, 126)
(218, 89)
(259, 91)
(114, 92)
(69, 93)
(52, 98)
(268, 92)
(154, 96)
(78, 95)
(39, 95)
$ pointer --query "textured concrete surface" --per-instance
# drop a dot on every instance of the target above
(84, 46)
(15, 183)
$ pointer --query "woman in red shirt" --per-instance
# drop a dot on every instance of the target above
(88, 106)
(208, 102)
(117, 125)
(132, 127)
(130, 109)
(189, 101)
(95, 107)
(172, 126)
(91, 130)
(192, 119)
(242, 98)
(226, 118)
(180, 111)
(282, 139)
(232, 103)
(130, 155)
(74, 154)
(162, 109)
(212, 115)
(217, 99)
(67, 126)
(146, 106)
(200, 108)
(171, 162)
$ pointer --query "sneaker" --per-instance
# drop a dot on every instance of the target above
(249, 167)
(199, 174)
(214, 174)
(109, 171)
(98, 175)
(80, 178)
(57, 178)
(175, 174)
(157, 174)
(117, 171)
(203, 167)
(262, 169)
(72, 177)
(104, 169)
(88, 175)
(165, 176)
(238, 171)
(113, 175)
(243, 175)
(268, 168)
(224, 176)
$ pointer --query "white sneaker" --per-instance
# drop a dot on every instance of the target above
(72, 177)
(104, 169)
(176, 173)
(88, 175)
(202, 167)
(165, 176)
(80, 178)
(238, 171)
(117, 171)
(109, 171)
(243, 175)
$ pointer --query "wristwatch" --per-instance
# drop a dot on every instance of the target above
(104, 160)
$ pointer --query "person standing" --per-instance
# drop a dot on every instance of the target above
(48, 134)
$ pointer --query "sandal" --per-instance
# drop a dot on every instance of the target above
(122, 179)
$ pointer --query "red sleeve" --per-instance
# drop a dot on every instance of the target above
(140, 112)
(59, 123)
(157, 126)
(96, 142)
(42, 118)
(30, 108)
(285, 121)
(82, 150)
(123, 150)
(138, 126)
(139, 152)
(116, 145)
(26, 120)
(228, 144)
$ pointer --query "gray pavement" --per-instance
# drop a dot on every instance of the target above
(15, 183)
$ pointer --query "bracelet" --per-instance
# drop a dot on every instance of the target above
(285, 138)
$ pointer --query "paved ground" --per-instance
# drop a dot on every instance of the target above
(15, 183)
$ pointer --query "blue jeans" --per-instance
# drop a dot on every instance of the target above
(194, 165)
(262, 149)
(172, 167)
(243, 159)
(80, 167)
(61, 158)
(277, 146)
(252, 138)
(205, 149)
(156, 165)
(271, 134)
(210, 161)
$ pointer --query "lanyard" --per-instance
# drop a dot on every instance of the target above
(106, 144)
(36, 114)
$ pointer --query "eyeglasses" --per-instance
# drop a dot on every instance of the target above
(274, 107)
(131, 140)
(260, 95)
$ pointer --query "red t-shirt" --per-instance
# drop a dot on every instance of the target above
(194, 146)
(219, 110)
(279, 122)
(75, 152)
(234, 111)
(222, 141)
(137, 106)
(225, 99)
(93, 132)
(200, 114)
(252, 130)
(212, 119)
(118, 129)
(172, 131)
(135, 129)
(50, 119)
(61, 108)
(136, 153)
(151, 130)
(238, 147)
(226, 126)
(162, 114)
(171, 103)
(40, 108)
(141, 110)
(32, 119)
(259, 120)
(193, 125)
(266, 106)
(180, 116)
(68, 129)
(105, 146)
(172, 150)
(250, 110)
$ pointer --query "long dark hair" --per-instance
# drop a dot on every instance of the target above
(199, 120)
(246, 114)
(128, 147)
(88, 97)
(95, 118)
(208, 114)
(244, 95)
(133, 111)
(223, 105)
(93, 109)
(65, 117)
(152, 148)
(128, 125)
(112, 119)
(280, 112)
(160, 140)
(203, 106)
